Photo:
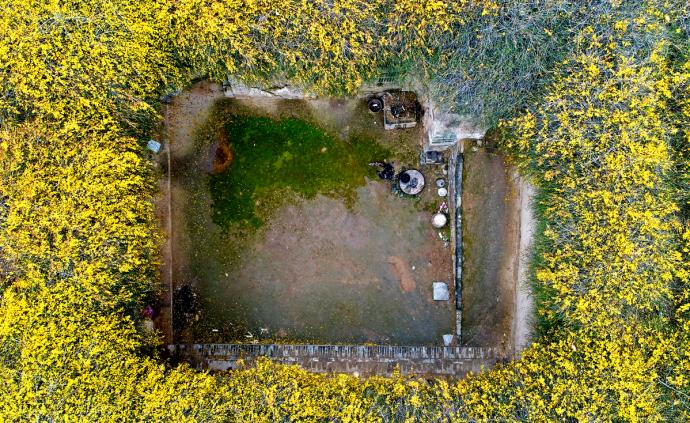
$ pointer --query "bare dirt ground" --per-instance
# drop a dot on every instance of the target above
(491, 241)
(323, 272)
(318, 270)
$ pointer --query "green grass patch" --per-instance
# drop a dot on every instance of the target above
(272, 158)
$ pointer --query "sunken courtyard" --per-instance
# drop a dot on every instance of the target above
(372, 221)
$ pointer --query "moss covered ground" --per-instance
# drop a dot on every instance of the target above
(271, 155)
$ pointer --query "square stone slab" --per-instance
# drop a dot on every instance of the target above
(441, 291)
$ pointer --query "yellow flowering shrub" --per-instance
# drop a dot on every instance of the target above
(606, 140)
(327, 46)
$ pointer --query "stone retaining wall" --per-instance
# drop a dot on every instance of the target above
(353, 359)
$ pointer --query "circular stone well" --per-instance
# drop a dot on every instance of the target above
(411, 182)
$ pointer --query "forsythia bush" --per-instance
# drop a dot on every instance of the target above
(606, 140)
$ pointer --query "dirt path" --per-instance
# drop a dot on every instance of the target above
(491, 231)
(498, 228)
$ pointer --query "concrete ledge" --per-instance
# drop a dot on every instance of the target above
(235, 89)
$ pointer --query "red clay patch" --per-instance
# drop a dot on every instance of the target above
(223, 155)
(402, 272)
